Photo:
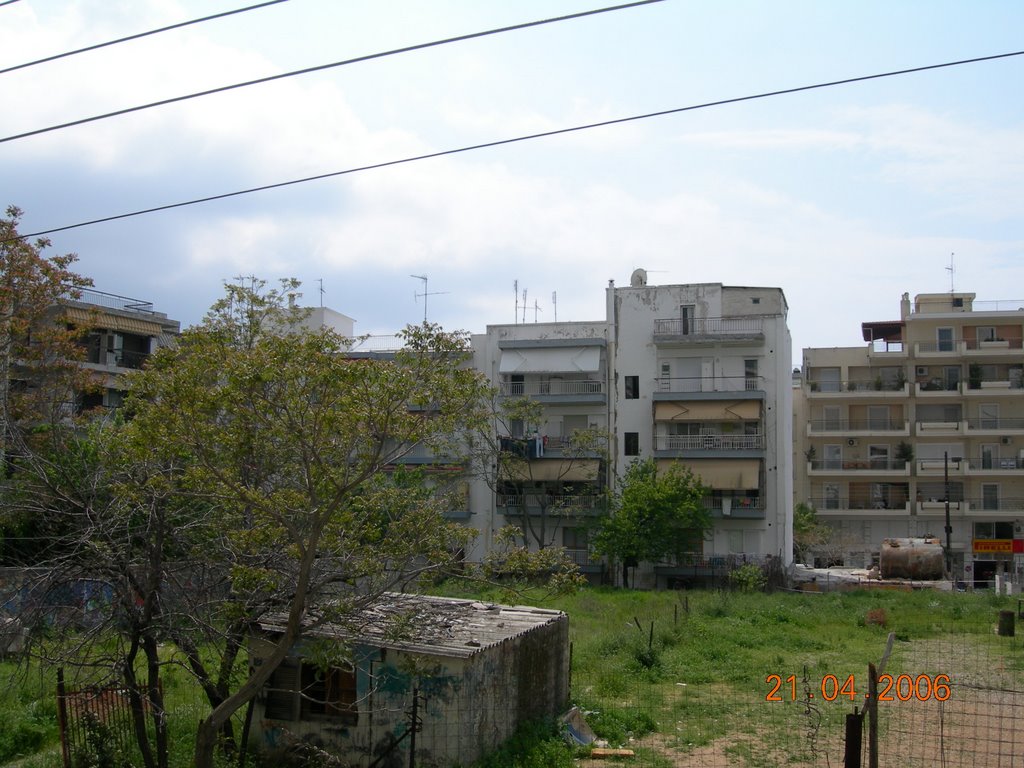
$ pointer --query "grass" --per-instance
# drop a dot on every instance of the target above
(663, 672)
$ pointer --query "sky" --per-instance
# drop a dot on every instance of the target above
(845, 197)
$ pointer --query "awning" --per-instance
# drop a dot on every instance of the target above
(707, 410)
(722, 474)
(552, 470)
(551, 360)
(97, 319)
(889, 330)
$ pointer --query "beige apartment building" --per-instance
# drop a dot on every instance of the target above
(929, 409)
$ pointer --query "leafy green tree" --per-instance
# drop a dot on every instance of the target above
(294, 444)
(540, 499)
(656, 514)
(808, 532)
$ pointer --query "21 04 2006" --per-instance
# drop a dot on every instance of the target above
(831, 687)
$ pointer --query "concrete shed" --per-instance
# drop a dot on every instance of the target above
(450, 679)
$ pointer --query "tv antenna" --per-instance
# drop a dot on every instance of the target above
(515, 289)
(554, 303)
(524, 306)
(322, 291)
(536, 309)
(425, 294)
(951, 269)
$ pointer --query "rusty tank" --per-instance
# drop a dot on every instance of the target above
(920, 559)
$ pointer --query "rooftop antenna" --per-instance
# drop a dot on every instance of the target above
(515, 288)
(554, 303)
(322, 291)
(536, 309)
(524, 306)
(425, 293)
(951, 269)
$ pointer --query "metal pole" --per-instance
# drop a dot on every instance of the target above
(949, 528)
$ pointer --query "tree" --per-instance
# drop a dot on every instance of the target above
(294, 446)
(808, 532)
(656, 514)
(543, 493)
(39, 374)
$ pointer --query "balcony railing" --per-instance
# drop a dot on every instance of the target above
(857, 385)
(994, 464)
(554, 503)
(1012, 504)
(857, 425)
(709, 442)
(708, 384)
(841, 465)
(121, 358)
(582, 557)
(737, 503)
(564, 387)
(1003, 423)
(831, 503)
(113, 301)
(708, 326)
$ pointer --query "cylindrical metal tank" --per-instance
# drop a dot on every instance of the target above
(911, 559)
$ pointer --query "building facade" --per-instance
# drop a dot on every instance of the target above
(123, 333)
(929, 410)
(695, 374)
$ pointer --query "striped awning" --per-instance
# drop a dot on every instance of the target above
(553, 470)
(86, 318)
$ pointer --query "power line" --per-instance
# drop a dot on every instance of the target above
(517, 139)
(321, 67)
(7, 2)
(136, 36)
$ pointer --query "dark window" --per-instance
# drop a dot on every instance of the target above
(305, 691)
(632, 443)
(632, 387)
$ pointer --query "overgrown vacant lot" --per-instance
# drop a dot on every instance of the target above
(693, 690)
(682, 679)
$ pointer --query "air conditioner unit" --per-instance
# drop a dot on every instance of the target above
(851, 441)
(1006, 440)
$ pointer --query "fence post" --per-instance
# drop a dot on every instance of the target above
(62, 718)
(854, 736)
(872, 716)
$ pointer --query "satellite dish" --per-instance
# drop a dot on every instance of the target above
(638, 278)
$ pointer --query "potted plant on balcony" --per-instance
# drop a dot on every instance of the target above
(904, 453)
(974, 376)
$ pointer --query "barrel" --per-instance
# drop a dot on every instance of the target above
(920, 559)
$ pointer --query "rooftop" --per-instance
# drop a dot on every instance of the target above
(438, 626)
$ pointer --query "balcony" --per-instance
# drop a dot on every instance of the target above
(554, 504)
(708, 330)
(736, 507)
(860, 467)
(556, 390)
(995, 426)
(674, 386)
(979, 507)
(857, 427)
(939, 467)
(991, 465)
(859, 388)
(939, 428)
(993, 348)
(844, 505)
(702, 443)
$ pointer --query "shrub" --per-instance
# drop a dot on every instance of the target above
(748, 578)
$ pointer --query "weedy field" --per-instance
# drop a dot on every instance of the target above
(719, 679)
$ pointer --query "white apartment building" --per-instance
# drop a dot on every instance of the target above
(929, 409)
(696, 374)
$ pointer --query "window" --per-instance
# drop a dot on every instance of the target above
(989, 496)
(631, 442)
(985, 333)
(944, 339)
(575, 538)
(304, 691)
(750, 373)
(632, 384)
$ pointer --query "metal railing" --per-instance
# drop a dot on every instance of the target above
(986, 463)
(738, 502)
(857, 385)
(709, 442)
(553, 502)
(709, 383)
(996, 423)
(842, 465)
(981, 504)
(553, 387)
(382, 343)
(828, 503)
(857, 425)
(709, 326)
(113, 301)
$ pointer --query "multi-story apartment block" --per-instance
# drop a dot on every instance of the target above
(930, 409)
(123, 333)
(696, 374)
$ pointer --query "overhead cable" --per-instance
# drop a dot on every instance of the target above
(321, 67)
(137, 36)
(528, 137)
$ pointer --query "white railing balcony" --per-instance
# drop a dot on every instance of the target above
(708, 384)
(552, 387)
(704, 327)
(709, 442)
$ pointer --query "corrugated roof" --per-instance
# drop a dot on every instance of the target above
(437, 626)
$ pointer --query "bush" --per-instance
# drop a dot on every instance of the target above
(748, 578)
(535, 745)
